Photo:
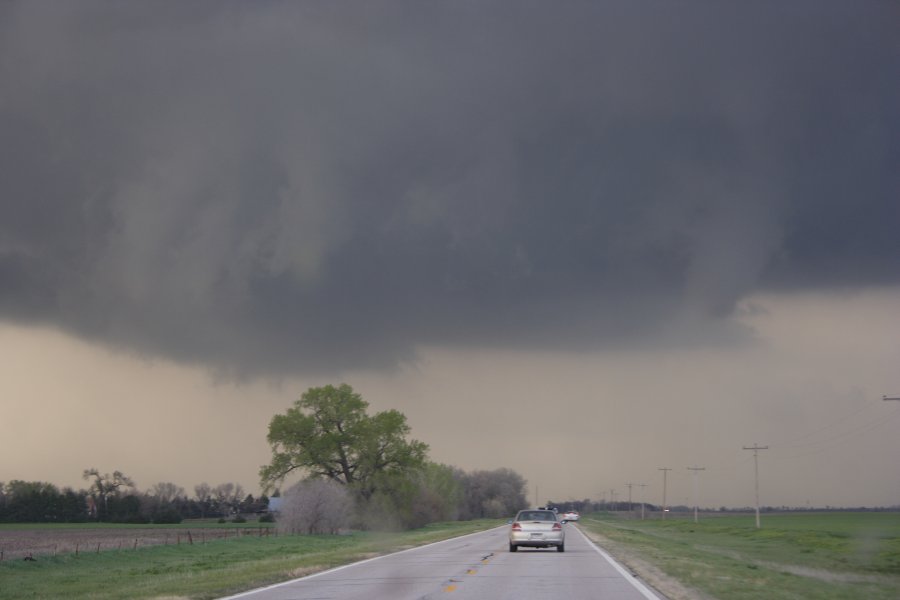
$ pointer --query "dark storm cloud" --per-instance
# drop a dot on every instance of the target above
(277, 187)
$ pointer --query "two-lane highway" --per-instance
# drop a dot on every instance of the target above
(469, 567)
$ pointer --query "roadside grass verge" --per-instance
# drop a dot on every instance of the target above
(210, 570)
(832, 556)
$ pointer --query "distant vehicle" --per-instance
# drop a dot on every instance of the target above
(536, 529)
(572, 515)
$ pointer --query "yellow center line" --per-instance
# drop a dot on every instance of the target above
(450, 588)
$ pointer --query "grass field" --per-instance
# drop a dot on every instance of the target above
(829, 556)
(211, 570)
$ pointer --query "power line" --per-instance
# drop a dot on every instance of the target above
(838, 421)
(838, 440)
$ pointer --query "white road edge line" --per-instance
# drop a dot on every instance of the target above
(643, 589)
(360, 562)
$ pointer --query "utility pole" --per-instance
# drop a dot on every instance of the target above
(612, 498)
(886, 398)
(630, 505)
(643, 485)
(665, 471)
(695, 470)
(536, 503)
(756, 448)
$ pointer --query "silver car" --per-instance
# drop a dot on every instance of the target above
(536, 529)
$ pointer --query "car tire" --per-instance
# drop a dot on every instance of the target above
(561, 548)
(513, 547)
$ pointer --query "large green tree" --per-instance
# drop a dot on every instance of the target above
(327, 433)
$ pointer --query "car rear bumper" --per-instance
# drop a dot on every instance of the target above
(554, 538)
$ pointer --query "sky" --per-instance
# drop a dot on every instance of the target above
(586, 241)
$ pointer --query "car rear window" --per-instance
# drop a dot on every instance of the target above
(537, 515)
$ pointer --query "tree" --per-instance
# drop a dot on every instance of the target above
(493, 494)
(327, 433)
(106, 485)
(227, 497)
(166, 492)
(202, 492)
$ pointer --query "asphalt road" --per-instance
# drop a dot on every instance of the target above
(473, 566)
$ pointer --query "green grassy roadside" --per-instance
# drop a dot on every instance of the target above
(208, 570)
(832, 556)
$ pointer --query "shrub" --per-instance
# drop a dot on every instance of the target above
(267, 518)
(315, 506)
(238, 519)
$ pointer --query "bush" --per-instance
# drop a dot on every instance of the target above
(222, 520)
(267, 518)
(238, 519)
(315, 506)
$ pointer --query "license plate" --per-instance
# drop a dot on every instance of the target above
(537, 535)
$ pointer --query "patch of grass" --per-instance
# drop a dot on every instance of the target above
(817, 555)
(210, 570)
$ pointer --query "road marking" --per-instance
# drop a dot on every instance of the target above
(471, 572)
(631, 578)
(450, 588)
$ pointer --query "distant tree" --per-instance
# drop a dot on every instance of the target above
(126, 508)
(493, 494)
(105, 486)
(413, 499)
(327, 433)
(166, 492)
(227, 497)
(438, 495)
(203, 492)
(315, 506)
(31, 502)
(163, 503)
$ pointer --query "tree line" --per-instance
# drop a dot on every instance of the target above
(114, 498)
(352, 469)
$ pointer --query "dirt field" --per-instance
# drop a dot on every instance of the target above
(19, 544)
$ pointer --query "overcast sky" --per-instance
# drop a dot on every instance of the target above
(582, 240)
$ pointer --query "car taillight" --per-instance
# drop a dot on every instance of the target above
(557, 527)
(516, 527)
